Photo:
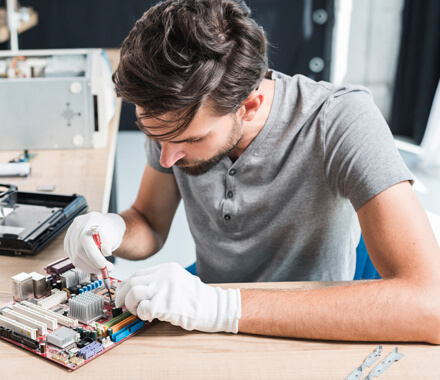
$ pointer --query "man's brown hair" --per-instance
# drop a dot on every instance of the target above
(182, 53)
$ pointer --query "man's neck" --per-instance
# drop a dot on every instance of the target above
(252, 128)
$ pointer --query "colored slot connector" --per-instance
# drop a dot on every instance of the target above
(124, 323)
(130, 329)
(118, 319)
(90, 350)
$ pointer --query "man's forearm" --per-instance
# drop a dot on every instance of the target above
(384, 310)
(140, 240)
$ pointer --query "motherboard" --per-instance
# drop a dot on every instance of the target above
(66, 316)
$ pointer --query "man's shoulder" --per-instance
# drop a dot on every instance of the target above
(308, 88)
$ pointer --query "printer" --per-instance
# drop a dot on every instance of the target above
(55, 99)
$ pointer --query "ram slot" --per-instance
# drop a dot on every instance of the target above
(51, 323)
(62, 320)
(18, 328)
(28, 321)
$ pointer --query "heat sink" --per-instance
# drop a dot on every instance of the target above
(62, 337)
(80, 275)
(86, 307)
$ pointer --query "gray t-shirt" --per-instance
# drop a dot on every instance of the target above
(285, 210)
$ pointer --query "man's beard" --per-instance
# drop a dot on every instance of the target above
(197, 168)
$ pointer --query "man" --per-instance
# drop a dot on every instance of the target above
(277, 173)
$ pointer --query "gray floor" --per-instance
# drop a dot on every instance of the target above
(130, 163)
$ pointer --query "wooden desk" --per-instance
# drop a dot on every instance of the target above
(167, 352)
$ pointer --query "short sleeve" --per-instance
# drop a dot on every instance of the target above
(152, 150)
(360, 156)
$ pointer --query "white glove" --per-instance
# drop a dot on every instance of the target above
(170, 293)
(80, 246)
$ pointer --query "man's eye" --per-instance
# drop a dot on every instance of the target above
(194, 141)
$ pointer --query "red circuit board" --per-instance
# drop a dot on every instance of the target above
(67, 357)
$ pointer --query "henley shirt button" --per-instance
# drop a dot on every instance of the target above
(230, 194)
(232, 171)
(227, 217)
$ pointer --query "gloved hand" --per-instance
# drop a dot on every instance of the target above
(80, 246)
(170, 293)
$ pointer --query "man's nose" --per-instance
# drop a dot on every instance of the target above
(170, 154)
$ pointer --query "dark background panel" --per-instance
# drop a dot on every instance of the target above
(295, 39)
(418, 70)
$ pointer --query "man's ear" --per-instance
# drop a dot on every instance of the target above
(251, 105)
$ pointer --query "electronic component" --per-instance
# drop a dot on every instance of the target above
(69, 278)
(18, 327)
(50, 322)
(60, 358)
(90, 350)
(36, 219)
(57, 297)
(127, 321)
(84, 342)
(62, 320)
(125, 332)
(86, 307)
(58, 267)
(34, 324)
(118, 319)
(104, 293)
(77, 105)
(80, 275)
(39, 283)
(22, 286)
(107, 342)
(116, 311)
(28, 342)
(62, 337)
(25, 320)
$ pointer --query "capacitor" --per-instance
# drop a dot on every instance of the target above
(94, 335)
(58, 285)
(81, 331)
(43, 348)
(109, 332)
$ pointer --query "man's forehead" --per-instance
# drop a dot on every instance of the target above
(160, 125)
(203, 121)
(168, 123)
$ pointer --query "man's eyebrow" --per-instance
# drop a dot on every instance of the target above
(189, 139)
(137, 116)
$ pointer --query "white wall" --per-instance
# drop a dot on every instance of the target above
(372, 49)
